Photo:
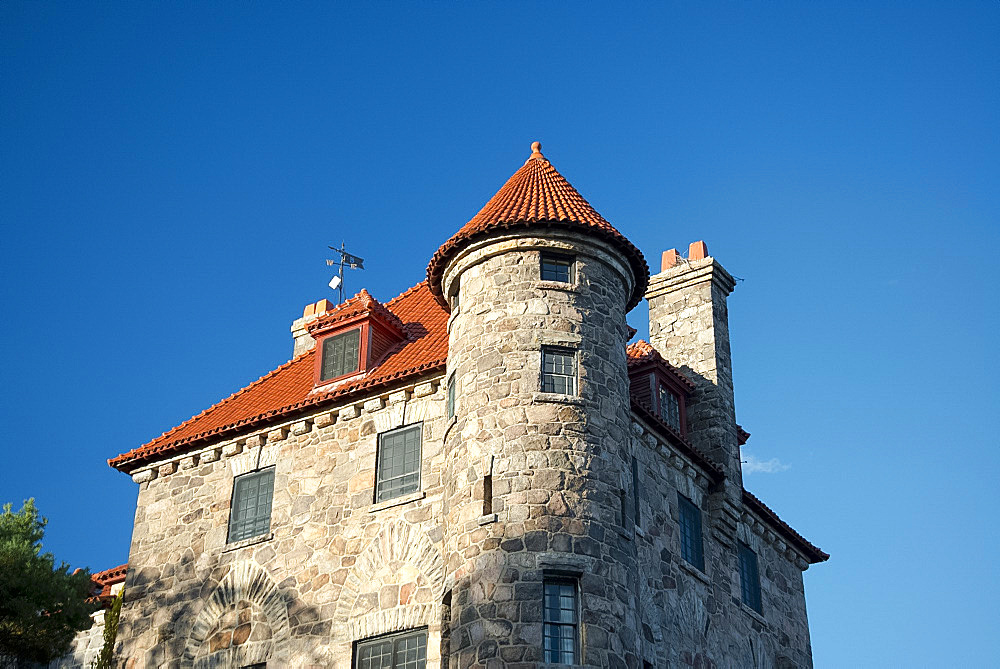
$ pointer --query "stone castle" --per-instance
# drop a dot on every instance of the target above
(479, 472)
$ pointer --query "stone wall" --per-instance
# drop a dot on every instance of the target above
(556, 461)
(334, 568)
(518, 485)
(697, 619)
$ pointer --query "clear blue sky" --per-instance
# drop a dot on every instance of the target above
(171, 173)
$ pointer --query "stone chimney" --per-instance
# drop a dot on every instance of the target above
(689, 326)
(301, 339)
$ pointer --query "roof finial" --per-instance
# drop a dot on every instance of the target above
(536, 151)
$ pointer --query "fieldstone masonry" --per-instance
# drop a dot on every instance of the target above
(518, 485)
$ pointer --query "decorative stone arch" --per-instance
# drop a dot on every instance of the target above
(399, 549)
(245, 582)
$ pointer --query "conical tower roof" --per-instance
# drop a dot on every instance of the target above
(537, 196)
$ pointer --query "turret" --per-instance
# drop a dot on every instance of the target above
(538, 284)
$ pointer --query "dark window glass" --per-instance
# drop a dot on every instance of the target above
(250, 514)
(691, 542)
(670, 408)
(451, 396)
(259, 665)
(749, 578)
(557, 268)
(398, 465)
(560, 621)
(340, 354)
(558, 371)
(407, 650)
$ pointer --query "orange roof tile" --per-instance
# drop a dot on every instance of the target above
(103, 580)
(359, 305)
(537, 194)
(642, 351)
(289, 388)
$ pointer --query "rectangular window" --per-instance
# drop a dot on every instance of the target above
(692, 548)
(749, 578)
(340, 354)
(406, 650)
(397, 469)
(451, 396)
(561, 621)
(250, 514)
(557, 268)
(558, 371)
(670, 408)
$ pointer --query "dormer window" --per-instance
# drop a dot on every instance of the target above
(669, 407)
(354, 338)
(340, 354)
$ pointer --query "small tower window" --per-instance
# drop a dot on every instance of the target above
(557, 268)
(397, 468)
(561, 627)
(749, 578)
(692, 548)
(340, 354)
(558, 370)
(670, 408)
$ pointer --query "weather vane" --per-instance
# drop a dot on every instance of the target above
(346, 260)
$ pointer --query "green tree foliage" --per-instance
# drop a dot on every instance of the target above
(42, 606)
(106, 659)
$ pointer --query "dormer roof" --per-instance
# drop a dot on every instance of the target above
(641, 353)
(290, 388)
(537, 195)
(359, 307)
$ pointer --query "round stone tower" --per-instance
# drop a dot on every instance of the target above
(540, 565)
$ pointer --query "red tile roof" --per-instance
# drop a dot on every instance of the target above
(103, 580)
(288, 389)
(362, 304)
(642, 351)
(537, 195)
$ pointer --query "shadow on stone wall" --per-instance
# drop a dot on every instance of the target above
(182, 614)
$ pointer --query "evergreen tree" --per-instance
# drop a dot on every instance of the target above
(106, 659)
(42, 606)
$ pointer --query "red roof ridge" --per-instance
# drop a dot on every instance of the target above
(110, 576)
(288, 388)
(358, 305)
(537, 194)
(225, 400)
(813, 554)
(642, 351)
(406, 292)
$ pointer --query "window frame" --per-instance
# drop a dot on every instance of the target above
(574, 377)
(686, 511)
(234, 504)
(418, 428)
(361, 366)
(557, 260)
(749, 588)
(562, 579)
(394, 638)
(664, 389)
